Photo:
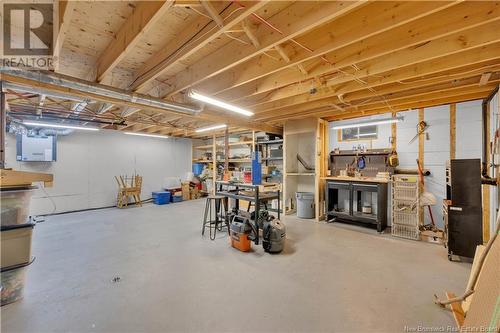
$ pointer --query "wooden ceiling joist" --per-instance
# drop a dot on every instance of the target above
(281, 60)
(295, 20)
(474, 38)
(145, 15)
(66, 10)
(388, 101)
(174, 52)
(448, 66)
(411, 106)
(212, 12)
(365, 96)
(359, 25)
(205, 115)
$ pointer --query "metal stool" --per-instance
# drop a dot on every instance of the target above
(215, 215)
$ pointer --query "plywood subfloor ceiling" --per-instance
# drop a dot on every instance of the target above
(281, 59)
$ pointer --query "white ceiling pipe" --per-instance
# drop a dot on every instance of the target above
(100, 90)
(40, 91)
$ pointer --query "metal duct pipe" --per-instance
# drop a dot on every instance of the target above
(19, 128)
(40, 91)
(53, 131)
(100, 90)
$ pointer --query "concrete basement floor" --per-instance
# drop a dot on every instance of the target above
(331, 278)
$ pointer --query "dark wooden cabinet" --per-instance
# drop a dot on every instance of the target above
(352, 191)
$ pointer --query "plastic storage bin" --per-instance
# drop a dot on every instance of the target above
(12, 283)
(161, 198)
(176, 198)
(305, 205)
(16, 244)
(15, 203)
(197, 168)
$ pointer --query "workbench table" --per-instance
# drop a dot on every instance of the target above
(354, 186)
(232, 190)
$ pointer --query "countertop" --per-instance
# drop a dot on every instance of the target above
(358, 179)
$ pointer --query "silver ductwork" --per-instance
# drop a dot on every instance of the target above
(41, 91)
(100, 90)
(19, 128)
(55, 132)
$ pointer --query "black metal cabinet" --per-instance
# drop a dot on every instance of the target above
(464, 221)
(354, 213)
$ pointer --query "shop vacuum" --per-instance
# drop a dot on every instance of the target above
(274, 236)
(245, 226)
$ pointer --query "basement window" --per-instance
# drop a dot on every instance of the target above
(359, 133)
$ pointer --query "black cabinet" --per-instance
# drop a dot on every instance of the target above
(465, 217)
(344, 202)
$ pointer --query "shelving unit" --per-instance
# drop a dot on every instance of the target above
(265, 147)
(308, 138)
(216, 145)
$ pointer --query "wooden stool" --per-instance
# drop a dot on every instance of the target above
(215, 215)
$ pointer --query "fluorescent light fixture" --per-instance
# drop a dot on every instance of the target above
(205, 129)
(35, 123)
(366, 134)
(150, 135)
(370, 123)
(221, 104)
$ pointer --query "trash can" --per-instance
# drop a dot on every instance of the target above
(305, 205)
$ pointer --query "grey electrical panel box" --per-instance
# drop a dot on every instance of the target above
(36, 148)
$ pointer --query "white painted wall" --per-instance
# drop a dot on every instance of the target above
(88, 161)
(436, 148)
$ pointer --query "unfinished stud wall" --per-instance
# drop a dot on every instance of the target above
(436, 148)
(494, 123)
(87, 163)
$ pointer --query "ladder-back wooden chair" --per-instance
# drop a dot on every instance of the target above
(125, 190)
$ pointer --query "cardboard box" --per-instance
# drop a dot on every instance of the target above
(185, 190)
(194, 193)
(266, 170)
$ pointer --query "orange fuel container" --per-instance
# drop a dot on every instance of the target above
(240, 241)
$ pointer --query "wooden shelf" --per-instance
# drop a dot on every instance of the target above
(231, 160)
(239, 160)
(221, 145)
(241, 143)
(299, 174)
(270, 142)
(204, 147)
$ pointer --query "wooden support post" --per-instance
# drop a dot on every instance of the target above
(453, 129)
(486, 188)
(321, 167)
(2, 126)
(421, 138)
(226, 150)
(214, 162)
(394, 129)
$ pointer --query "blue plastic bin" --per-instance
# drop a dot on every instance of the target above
(176, 198)
(197, 168)
(161, 197)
